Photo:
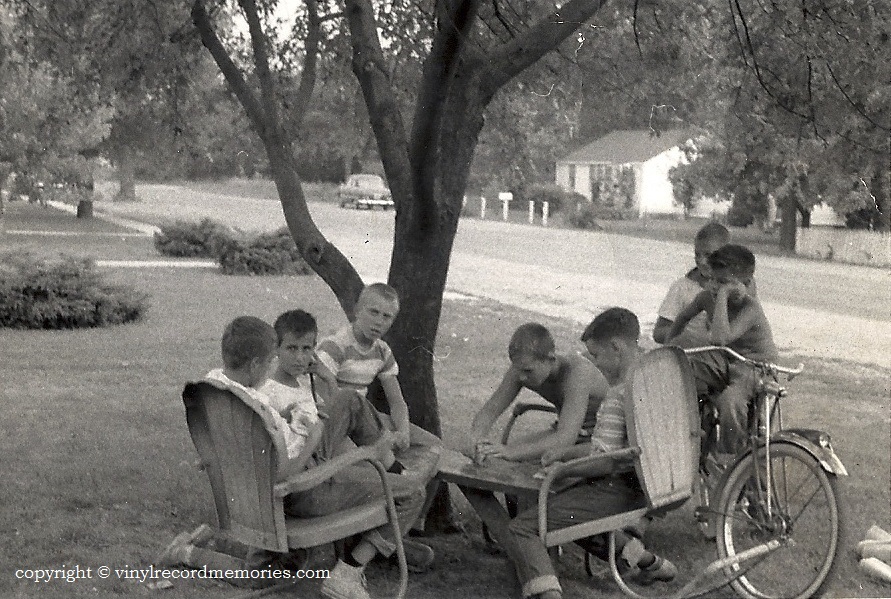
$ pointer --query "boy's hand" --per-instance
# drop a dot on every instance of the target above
(555, 454)
(402, 439)
(486, 449)
(383, 447)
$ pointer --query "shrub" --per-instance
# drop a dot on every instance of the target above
(557, 197)
(587, 216)
(738, 215)
(68, 294)
(183, 239)
(267, 254)
(584, 218)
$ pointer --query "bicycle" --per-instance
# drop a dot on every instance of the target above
(782, 484)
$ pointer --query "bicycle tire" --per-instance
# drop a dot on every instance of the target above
(805, 511)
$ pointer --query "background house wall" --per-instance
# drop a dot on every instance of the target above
(657, 193)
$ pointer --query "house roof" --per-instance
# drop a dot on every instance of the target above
(627, 146)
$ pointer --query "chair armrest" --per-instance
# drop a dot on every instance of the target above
(312, 477)
(562, 469)
(521, 408)
(525, 406)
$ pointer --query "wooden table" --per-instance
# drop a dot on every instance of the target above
(480, 483)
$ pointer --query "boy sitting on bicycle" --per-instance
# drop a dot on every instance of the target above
(736, 320)
(608, 487)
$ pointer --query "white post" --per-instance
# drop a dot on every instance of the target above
(482, 207)
(545, 207)
(505, 197)
(531, 212)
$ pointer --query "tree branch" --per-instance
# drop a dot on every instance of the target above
(370, 69)
(520, 53)
(231, 72)
(310, 63)
(440, 67)
(261, 60)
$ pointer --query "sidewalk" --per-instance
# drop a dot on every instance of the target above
(143, 229)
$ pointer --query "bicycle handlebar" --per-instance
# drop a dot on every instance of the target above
(790, 372)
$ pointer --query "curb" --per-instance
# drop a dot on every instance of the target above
(144, 229)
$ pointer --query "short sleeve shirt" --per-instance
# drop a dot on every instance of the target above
(681, 293)
(294, 436)
(610, 432)
(296, 403)
(353, 366)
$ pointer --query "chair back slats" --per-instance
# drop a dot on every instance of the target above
(663, 421)
(241, 460)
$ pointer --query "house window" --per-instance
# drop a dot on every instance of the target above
(572, 177)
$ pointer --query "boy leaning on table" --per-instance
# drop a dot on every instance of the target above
(608, 488)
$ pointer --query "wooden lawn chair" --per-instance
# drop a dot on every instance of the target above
(663, 435)
(243, 454)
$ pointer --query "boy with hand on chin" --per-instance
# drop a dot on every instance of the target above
(708, 239)
(608, 487)
(736, 320)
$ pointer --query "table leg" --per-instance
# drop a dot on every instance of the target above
(495, 517)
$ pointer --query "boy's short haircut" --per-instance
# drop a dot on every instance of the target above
(381, 290)
(246, 338)
(296, 322)
(613, 322)
(713, 232)
(738, 260)
(532, 339)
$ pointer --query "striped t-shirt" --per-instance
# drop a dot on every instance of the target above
(610, 432)
(353, 366)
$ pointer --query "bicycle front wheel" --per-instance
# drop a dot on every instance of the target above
(802, 514)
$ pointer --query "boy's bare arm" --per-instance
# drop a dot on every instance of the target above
(398, 409)
(583, 380)
(313, 438)
(662, 329)
(494, 407)
(725, 331)
(685, 316)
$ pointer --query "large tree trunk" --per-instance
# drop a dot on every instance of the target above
(788, 224)
(126, 175)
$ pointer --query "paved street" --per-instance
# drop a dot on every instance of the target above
(817, 309)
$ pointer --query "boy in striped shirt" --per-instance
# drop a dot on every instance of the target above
(608, 488)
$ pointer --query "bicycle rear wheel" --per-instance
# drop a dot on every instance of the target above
(803, 516)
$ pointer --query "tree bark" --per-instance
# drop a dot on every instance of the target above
(788, 224)
(126, 175)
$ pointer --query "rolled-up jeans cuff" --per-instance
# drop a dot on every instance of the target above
(541, 584)
(384, 546)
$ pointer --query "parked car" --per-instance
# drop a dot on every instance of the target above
(365, 191)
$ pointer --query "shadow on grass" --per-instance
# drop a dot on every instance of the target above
(99, 470)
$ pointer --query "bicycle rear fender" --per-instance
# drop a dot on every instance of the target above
(817, 443)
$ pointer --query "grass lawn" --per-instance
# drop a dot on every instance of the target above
(98, 466)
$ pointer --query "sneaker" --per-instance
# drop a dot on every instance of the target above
(345, 582)
(660, 570)
(418, 556)
(177, 552)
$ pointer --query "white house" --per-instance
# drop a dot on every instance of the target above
(627, 170)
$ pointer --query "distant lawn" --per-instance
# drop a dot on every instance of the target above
(23, 216)
(98, 466)
(262, 189)
(88, 238)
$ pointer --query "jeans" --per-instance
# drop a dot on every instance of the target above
(350, 416)
(590, 500)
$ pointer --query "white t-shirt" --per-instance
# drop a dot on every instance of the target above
(679, 296)
(294, 433)
(294, 403)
